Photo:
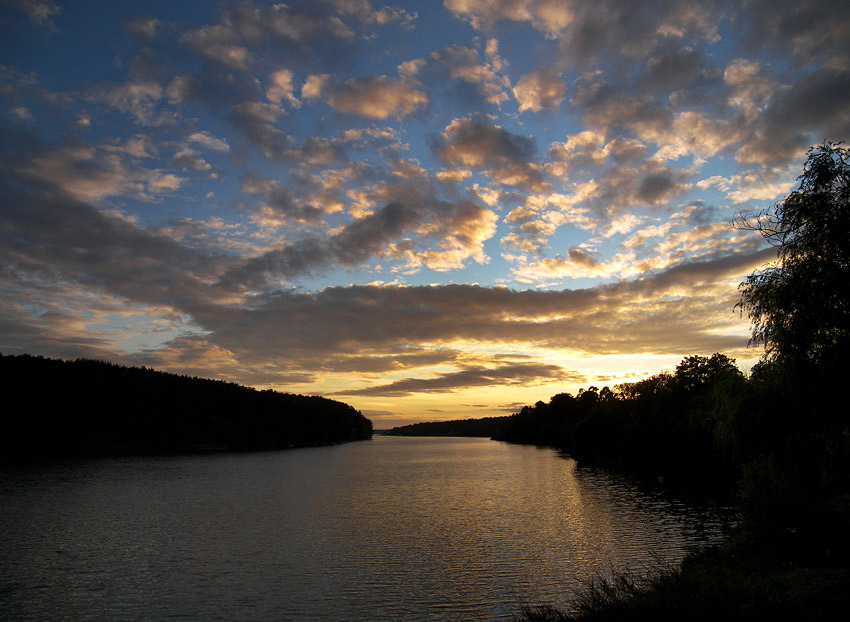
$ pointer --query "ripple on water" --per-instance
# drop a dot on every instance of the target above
(393, 529)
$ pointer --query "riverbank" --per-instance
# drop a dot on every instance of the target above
(85, 408)
(756, 575)
(709, 587)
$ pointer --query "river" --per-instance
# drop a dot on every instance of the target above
(389, 529)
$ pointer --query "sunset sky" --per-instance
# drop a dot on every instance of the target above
(428, 210)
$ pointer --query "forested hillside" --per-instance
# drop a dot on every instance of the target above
(85, 408)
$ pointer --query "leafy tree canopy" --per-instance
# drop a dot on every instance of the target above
(698, 372)
(800, 307)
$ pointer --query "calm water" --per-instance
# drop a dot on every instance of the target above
(391, 529)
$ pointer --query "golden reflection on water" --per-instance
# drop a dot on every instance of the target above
(392, 529)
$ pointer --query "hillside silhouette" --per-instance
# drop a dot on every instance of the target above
(93, 408)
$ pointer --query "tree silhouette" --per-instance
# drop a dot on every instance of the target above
(794, 429)
(800, 308)
(697, 372)
(91, 408)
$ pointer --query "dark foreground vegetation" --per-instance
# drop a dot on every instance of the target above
(486, 427)
(60, 408)
(682, 427)
(719, 585)
(780, 438)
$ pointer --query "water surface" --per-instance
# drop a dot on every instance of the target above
(390, 529)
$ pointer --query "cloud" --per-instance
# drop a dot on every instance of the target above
(674, 69)
(139, 99)
(580, 150)
(809, 30)
(314, 86)
(303, 36)
(453, 175)
(550, 16)
(377, 98)
(685, 309)
(51, 318)
(686, 236)
(407, 210)
(22, 113)
(575, 264)
(539, 89)
(813, 104)
(604, 29)
(40, 12)
(540, 215)
(256, 120)
(680, 310)
(610, 110)
(367, 14)
(23, 89)
(762, 183)
(474, 142)
(617, 181)
(143, 26)
(518, 374)
(656, 187)
(219, 43)
(287, 25)
(458, 74)
(318, 150)
(281, 206)
(461, 233)
(93, 173)
(282, 89)
(693, 133)
(207, 140)
(689, 235)
(188, 158)
(217, 161)
(751, 87)
(632, 30)
(48, 232)
(477, 143)
(371, 362)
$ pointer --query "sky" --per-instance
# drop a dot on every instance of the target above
(428, 210)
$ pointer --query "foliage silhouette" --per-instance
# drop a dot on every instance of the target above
(662, 426)
(799, 432)
(799, 308)
(784, 431)
(89, 408)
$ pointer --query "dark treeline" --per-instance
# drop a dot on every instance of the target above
(677, 425)
(776, 442)
(89, 408)
(782, 435)
(486, 427)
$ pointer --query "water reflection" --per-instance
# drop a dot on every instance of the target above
(393, 529)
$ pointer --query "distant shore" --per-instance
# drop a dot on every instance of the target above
(93, 408)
